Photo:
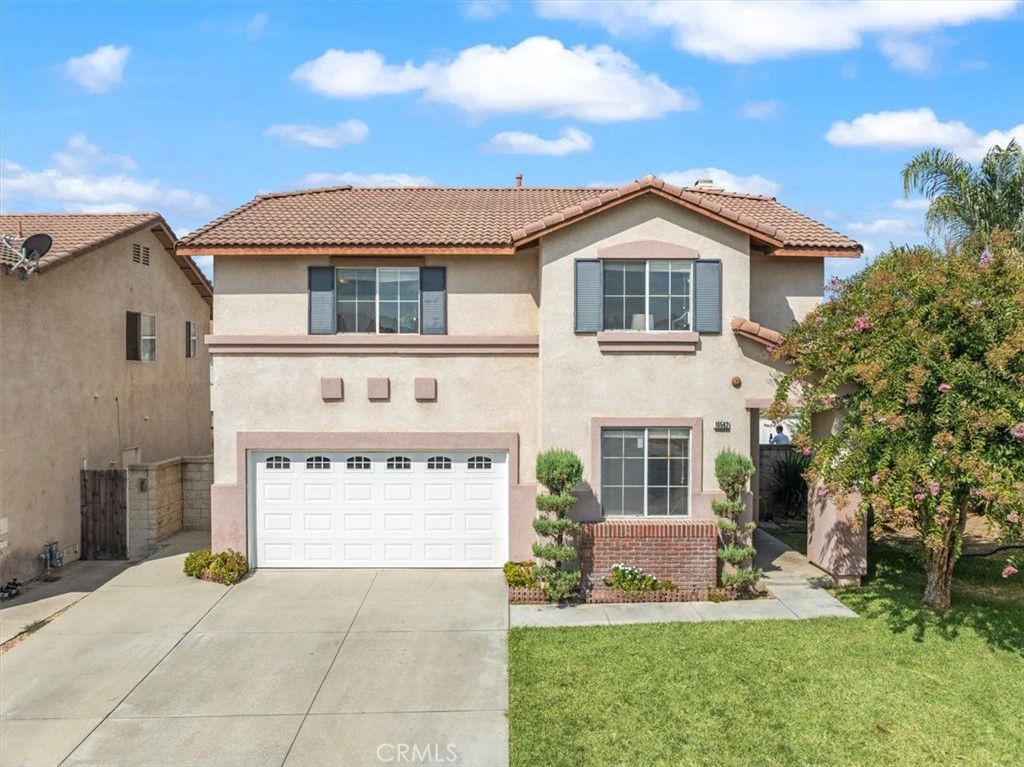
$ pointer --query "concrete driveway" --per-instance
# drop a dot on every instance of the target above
(329, 667)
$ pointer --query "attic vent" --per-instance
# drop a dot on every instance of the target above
(140, 254)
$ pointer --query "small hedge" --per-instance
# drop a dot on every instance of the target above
(519, 575)
(227, 567)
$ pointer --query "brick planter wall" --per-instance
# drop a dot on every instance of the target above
(679, 550)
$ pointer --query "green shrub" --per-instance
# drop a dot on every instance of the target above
(790, 485)
(733, 472)
(736, 555)
(519, 575)
(227, 567)
(559, 471)
(197, 562)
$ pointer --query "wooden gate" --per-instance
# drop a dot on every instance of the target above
(104, 514)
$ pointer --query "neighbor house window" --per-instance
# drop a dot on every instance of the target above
(647, 295)
(190, 339)
(140, 336)
(645, 472)
(378, 300)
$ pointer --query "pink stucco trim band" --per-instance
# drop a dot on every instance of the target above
(651, 527)
(634, 341)
(757, 403)
(350, 344)
(647, 250)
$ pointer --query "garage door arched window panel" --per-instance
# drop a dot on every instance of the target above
(278, 463)
(318, 463)
(439, 463)
(480, 463)
(357, 463)
(399, 463)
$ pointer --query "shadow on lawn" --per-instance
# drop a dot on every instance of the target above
(983, 602)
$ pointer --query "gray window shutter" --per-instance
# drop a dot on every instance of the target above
(707, 296)
(433, 301)
(589, 296)
(322, 315)
(132, 344)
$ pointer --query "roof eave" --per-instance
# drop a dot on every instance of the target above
(191, 249)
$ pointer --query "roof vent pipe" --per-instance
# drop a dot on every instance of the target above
(519, 181)
(704, 183)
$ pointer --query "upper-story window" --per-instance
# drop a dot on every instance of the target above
(378, 300)
(647, 295)
(140, 336)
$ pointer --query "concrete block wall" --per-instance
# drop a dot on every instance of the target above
(165, 498)
(679, 550)
(196, 478)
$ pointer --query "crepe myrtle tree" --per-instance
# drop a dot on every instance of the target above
(559, 471)
(922, 355)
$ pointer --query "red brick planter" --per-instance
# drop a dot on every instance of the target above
(683, 551)
(525, 596)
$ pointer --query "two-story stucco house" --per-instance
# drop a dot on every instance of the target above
(102, 364)
(387, 363)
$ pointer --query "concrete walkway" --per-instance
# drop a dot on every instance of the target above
(296, 667)
(796, 590)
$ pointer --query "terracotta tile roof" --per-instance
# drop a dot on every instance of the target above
(75, 234)
(348, 217)
(755, 332)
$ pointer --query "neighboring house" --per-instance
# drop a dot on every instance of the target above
(389, 362)
(103, 364)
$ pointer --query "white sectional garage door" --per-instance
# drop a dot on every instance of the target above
(374, 509)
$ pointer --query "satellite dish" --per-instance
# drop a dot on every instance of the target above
(36, 246)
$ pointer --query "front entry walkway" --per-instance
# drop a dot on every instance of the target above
(796, 590)
(296, 667)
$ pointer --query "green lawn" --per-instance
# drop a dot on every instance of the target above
(899, 686)
(792, 538)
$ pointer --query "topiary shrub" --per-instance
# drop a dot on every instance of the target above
(736, 552)
(558, 471)
(519, 575)
(197, 562)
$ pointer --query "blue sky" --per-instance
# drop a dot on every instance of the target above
(193, 108)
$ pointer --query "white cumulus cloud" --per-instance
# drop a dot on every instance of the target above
(100, 70)
(745, 32)
(365, 179)
(569, 141)
(331, 137)
(761, 110)
(731, 182)
(918, 204)
(907, 55)
(482, 10)
(538, 75)
(78, 181)
(918, 128)
(883, 226)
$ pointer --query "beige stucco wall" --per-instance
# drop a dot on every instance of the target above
(64, 380)
(784, 290)
(487, 295)
(579, 382)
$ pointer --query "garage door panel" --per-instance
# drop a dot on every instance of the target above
(324, 511)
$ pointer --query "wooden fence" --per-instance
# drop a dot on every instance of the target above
(104, 514)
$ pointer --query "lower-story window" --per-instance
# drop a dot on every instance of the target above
(645, 472)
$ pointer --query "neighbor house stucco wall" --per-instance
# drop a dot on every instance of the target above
(487, 295)
(784, 289)
(580, 382)
(68, 394)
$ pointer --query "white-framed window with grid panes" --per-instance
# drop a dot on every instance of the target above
(648, 295)
(645, 472)
(378, 300)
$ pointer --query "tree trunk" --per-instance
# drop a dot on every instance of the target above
(939, 567)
